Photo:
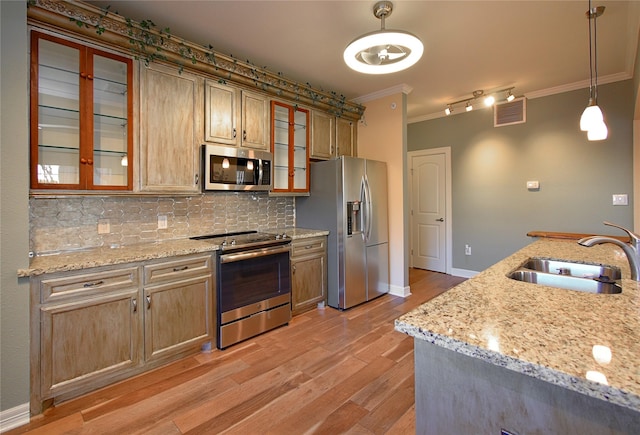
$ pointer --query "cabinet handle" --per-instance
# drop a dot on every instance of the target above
(92, 284)
(134, 302)
(308, 247)
(244, 134)
(293, 269)
(197, 179)
(148, 301)
(234, 133)
(180, 269)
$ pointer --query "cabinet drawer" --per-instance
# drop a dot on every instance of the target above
(177, 269)
(307, 246)
(87, 284)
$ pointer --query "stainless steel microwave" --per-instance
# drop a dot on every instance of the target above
(227, 168)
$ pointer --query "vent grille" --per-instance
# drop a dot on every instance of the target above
(509, 113)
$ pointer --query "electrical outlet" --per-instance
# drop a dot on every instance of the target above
(467, 250)
(162, 222)
(104, 227)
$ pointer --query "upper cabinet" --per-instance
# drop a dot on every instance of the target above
(290, 147)
(323, 132)
(331, 137)
(346, 138)
(236, 117)
(81, 116)
(170, 129)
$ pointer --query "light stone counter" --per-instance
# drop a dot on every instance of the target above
(539, 331)
(105, 256)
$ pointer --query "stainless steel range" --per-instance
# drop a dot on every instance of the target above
(253, 288)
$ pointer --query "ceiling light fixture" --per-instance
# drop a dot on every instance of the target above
(592, 119)
(383, 51)
(489, 99)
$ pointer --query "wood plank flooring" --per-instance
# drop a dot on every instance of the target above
(327, 372)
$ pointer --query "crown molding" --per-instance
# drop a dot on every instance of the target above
(402, 88)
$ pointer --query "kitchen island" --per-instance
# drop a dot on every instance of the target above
(494, 353)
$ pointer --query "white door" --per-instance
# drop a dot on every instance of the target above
(429, 211)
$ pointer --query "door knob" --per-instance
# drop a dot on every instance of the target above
(440, 220)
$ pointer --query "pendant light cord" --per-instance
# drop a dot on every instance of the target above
(590, 55)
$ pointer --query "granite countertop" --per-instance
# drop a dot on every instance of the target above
(552, 334)
(103, 256)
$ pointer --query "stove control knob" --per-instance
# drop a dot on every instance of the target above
(278, 236)
(224, 242)
(233, 242)
(284, 235)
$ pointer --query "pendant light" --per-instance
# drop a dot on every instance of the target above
(592, 119)
(383, 51)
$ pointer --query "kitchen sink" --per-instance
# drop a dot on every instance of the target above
(581, 270)
(584, 277)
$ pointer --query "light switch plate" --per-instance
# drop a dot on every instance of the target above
(620, 199)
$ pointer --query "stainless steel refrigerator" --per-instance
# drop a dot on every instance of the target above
(348, 197)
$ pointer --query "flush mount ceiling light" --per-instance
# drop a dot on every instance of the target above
(489, 99)
(383, 51)
(592, 119)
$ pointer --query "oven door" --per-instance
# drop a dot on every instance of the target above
(249, 277)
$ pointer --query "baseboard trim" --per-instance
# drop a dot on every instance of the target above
(396, 290)
(464, 273)
(14, 417)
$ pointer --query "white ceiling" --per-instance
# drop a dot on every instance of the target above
(540, 47)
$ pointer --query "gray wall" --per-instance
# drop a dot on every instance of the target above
(14, 208)
(492, 209)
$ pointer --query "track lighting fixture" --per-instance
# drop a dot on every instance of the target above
(592, 119)
(489, 99)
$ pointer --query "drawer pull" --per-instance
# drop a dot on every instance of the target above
(180, 269)
(308, 247)
(92, 284)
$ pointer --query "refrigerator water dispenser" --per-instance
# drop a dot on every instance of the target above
(354, 222)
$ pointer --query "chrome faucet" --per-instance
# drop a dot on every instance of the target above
(631, 249)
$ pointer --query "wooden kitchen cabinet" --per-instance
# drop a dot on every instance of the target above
(346, 138)
(323, 134)
(170, 129)
(236, 117)
(290, 147)
(309, 273)
(86, 331)
(93, 327)
(81, 130)
(178, 300)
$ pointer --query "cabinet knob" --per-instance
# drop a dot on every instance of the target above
(148, 301)
(134, 303)
(83, 161)
(83, 75)
(293, 269)
(89, 162)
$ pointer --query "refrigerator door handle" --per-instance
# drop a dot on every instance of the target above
(367, 212)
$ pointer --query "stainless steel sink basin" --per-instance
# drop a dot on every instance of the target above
(591, 278)
(581, 270)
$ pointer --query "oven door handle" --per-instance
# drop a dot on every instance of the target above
(246, 255)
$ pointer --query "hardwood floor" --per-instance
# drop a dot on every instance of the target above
(328, 371)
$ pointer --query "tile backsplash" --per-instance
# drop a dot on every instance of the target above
(66, 223)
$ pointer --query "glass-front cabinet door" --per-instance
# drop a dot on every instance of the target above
(81, 116)
(290, 147)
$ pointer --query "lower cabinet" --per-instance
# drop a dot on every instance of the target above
(98, 326)
(309, 273)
